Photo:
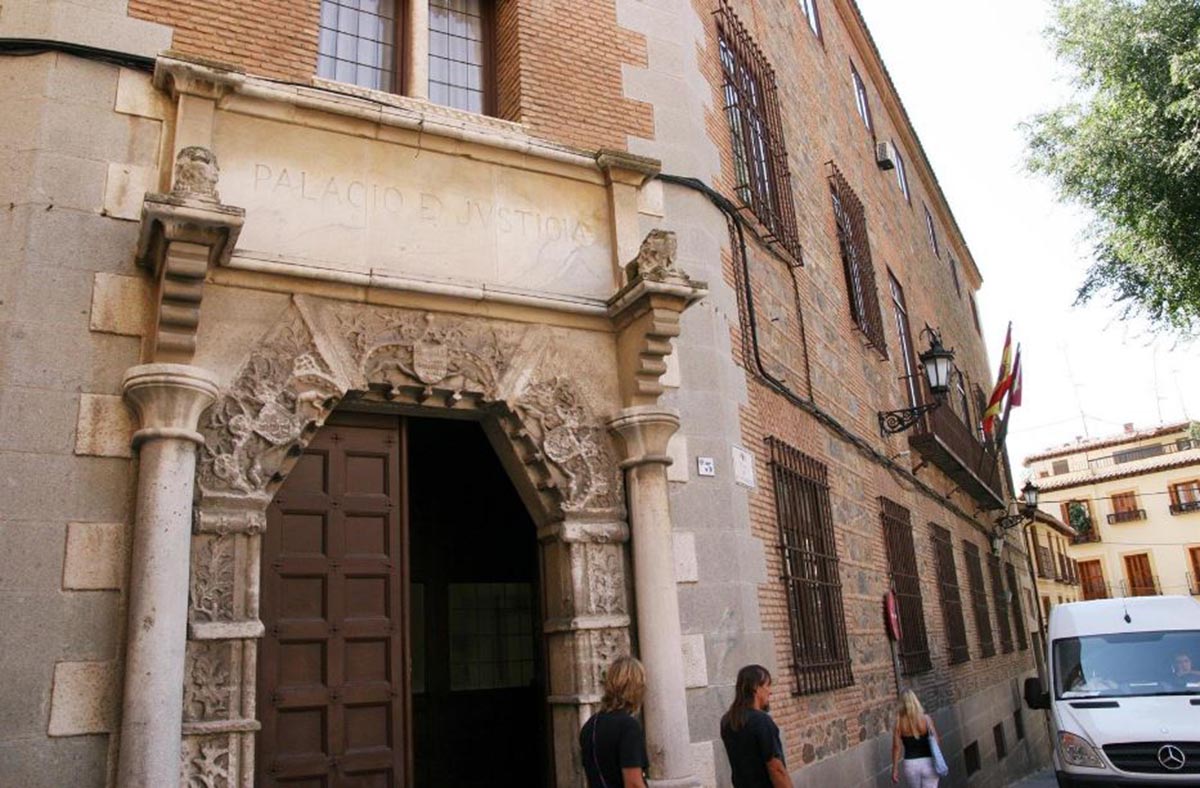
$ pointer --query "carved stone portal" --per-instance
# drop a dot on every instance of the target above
(323, 353)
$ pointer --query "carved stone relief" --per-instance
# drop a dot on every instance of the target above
(212, 578)
(323, 352)
(606, 579)
(207, 762)
(208, 681)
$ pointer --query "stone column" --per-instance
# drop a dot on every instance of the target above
(417, 51)
(644, 431)
(645, 313)
(169, 399)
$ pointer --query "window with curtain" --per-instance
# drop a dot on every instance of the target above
(358, 43)
(459, 50)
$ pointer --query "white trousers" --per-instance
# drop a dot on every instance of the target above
(919, 773)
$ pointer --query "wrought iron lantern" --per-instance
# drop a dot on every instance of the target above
(938, 365)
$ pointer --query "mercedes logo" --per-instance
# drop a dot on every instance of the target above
(1171, 757)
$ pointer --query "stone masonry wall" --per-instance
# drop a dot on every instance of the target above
(77, 155)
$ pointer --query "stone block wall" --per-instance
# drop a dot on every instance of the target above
(71, 308)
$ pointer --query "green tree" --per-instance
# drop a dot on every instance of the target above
(1127, 147)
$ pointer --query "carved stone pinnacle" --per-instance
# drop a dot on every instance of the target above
(196, 174)
(656, 260)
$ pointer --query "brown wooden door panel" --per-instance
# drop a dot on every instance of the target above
(1141, 579)
(332, 684)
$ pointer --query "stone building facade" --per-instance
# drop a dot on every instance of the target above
(368, 367)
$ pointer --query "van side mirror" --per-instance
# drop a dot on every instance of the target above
(1035, 696)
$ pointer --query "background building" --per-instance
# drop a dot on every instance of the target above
(372, 368)
(1048, 540)
(1131, 497)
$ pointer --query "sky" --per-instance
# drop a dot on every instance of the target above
(969, 72)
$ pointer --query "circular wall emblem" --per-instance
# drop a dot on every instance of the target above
(1171, 757)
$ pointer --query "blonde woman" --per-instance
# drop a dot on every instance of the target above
(613, 745)
(911, 737)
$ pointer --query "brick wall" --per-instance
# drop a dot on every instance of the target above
(558, 62)
(849, 380)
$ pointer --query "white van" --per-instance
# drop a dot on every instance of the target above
(1124, 698)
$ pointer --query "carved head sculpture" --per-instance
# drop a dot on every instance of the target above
(656, 259)
(196, 173)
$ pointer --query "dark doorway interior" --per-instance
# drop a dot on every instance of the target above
(398, 539)
(477, 680)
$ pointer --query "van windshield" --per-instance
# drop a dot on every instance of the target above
(1128, 665)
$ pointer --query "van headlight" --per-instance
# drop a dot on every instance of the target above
(1078, 751)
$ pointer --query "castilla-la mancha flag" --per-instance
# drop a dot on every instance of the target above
(1004, 381)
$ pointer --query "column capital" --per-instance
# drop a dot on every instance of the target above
(643, 432)
(169, 399)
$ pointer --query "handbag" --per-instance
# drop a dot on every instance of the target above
(939, 761)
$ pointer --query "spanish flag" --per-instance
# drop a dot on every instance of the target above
(1004, 381)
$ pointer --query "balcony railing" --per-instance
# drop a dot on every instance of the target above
(942, 439)
(1127, 516)
(1095, 589)
(1146, 586)
(1087, 537)
(1142, 453)
(1183, 507)
(1193, 584)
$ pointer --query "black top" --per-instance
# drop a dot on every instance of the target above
(916, 747)
(750, 747)
(611, 741)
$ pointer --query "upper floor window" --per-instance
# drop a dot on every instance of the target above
(1185, 497)
(901, 173)
(809, 7)
(362, 43)
(954, 276)
(856, 260)
(358, 42)
(933, 238)
(975, 316)
(860, 98)
(912, 383)
(759, 156)
(458, 53)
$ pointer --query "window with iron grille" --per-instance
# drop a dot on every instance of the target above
(954, 276)
(952, 613)
(1017, 613)
(856, 260)
(906, 583)
(983, 622)
(759, 155)
(820, 657)
(908, 353)
(1002, 604)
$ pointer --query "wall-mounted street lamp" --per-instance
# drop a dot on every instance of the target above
(938, 365)
(1029, 504)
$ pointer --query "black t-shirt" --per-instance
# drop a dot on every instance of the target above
(750, 747)
(612, 741)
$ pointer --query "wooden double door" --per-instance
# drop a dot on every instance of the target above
(399, 594)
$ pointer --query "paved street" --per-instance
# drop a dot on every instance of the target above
(1042, 779)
